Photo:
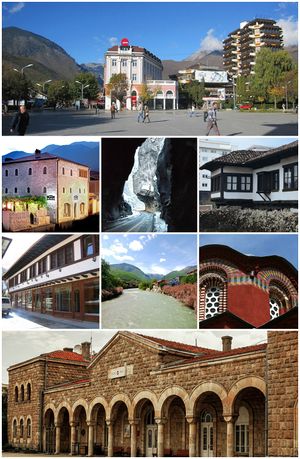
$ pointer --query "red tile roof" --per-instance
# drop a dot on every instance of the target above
(181, 346)
(65, 355)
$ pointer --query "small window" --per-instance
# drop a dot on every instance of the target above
(67, 210)
(44, 170)
(28, 189)
(22, 393)
(16, 172)
(70, 190)
(63, 171)
(16, 394)
(28, 391)
(22, 428)
(28, 428)
(79, 190)
(44, 190)
(231, 183)
(71, 173)
(16, 190)
(64, 190)
(6, 190)
(30, 171)
(87, 246)
(6, 172)
(15, 427)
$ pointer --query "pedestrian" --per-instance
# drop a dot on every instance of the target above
(21, 121)
(283, 108)
(212, 119)
(113, 111)
(146, 114)
(193, 113)
(140, 112)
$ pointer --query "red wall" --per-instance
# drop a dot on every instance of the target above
(250, 303)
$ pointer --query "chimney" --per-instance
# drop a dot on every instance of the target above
(86, 350)
(226, 343)
(37, 154)
(68, 349)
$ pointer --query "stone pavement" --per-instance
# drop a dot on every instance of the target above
(163, 123)
(25, 320)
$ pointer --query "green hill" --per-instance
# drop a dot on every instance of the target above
(126, 276)
(130, 269)
(182, 272)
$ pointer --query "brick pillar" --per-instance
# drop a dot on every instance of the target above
(133, 446)
(73, 438)
(192, 436)
(57, 438)
(160, 437)
(90, 438)
(110, 446)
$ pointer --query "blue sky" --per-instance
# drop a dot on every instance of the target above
(153, 253)
(241, 143)
(285, 245)
(172, 30)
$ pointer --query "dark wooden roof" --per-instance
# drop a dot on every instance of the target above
(251, 158)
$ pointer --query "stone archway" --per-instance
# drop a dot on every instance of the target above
(79, 428)
(63, 431)
(49, 431)
(143, 425)
(119, 429)
(98, 433)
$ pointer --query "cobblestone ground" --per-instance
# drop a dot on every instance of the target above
(163, 123)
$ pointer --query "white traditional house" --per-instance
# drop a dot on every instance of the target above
(58, 275)
(255, 177)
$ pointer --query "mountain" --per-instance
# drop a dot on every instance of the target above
(204, 58)
(120, 268)
(182, 272)
(49, 60)
(81, 152)
(137, 272)
(95, 69)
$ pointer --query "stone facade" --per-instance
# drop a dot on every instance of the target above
(146, 396)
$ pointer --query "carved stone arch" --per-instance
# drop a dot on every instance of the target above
(80, 402)
(62, 405)
(97, 401)
(144, 395)
(49, 406)
(169, 393)
(216, 388)
(255, 382)
(120, 398)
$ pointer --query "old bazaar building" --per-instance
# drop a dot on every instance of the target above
(140, 67)
(63, 184)
(147, 396)
(58, 275)
(255, 178)
(241, 291)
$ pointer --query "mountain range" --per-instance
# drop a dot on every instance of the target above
(81, 152)
(50, 61)
(121, 269)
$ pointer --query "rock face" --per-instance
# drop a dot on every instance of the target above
(177, 184)
(144, 178)
(174, 191)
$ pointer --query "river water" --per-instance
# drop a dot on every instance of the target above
(136, 308)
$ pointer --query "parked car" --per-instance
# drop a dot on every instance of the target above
(247, 106)
(6, 305)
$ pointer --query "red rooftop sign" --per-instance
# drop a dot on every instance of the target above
(125, 42)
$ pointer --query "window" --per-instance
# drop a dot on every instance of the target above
(79, 190)
(44, 190)
(124, 62)
(134, 63)
(242, 431)
(64, 190)
(231, 183)
(16, 394)
(22, 428)
(16, 190)
(22, 393)
(134, 78)
(69, 254)
(91, 296)
(245, 183)
(63, 299)
(32, 271)
(71, 173)
(6, 172)
(63, 171)
(67, 209)
(82, 208)
(275, 180)
(290, 177)
(62, 256)
(6, 190)
(44, 170)
(212, 301)
(53, 260)
(263, 182)
(28, 428)
(275, 306)
(30, 171)
(114, 62)
(42, 266)
(90, 246)
(70, 190)
(216, 183)
(28, 190)
(15, 427)
(83, 173)
(16, 172)
(29, 391)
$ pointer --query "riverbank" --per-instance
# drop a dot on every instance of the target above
(111, 293)
(186, 293)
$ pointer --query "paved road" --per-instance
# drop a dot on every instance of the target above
(25, 320)
(165, 123)
(132, 224)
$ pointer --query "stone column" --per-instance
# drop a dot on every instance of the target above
(110, 446)
(91, 438)
(229, 439)
(192, 436)
(133, 446)
(57, 438)
(44, 438)
(72, 438)
(160, 437)
(164, 103)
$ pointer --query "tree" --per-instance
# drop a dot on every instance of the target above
(59, 93)
(193, 92)
(290, 84)
(242, 92)
(92, 92)
(108, 279)
(276, 92)
(118, 86)
(147, 94)
(14, 85)
(270, 69)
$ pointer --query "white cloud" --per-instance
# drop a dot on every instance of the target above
(16, 8)
(136, 245)
(290, 30)
(179, 268)
(106, 252)
(105, 237)
(118, 247)
(155, 269)
(210, 42)
(161, 260)
(123, 257)
(142, 237)
(113, 41)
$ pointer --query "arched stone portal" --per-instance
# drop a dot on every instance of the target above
(98, 433)
(173, 428)
(119, 430)
(79, 431)
(63, 431)
(144, 427)
(49, 432)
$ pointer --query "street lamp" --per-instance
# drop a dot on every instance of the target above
(82, 87)
(23, 68)
(43, 84)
